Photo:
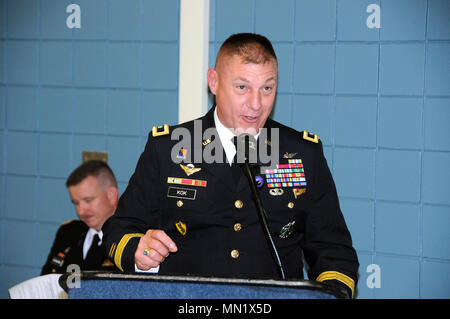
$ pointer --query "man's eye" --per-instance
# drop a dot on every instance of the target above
(241, 87)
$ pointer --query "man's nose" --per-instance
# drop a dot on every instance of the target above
(82, 208)
(255, 102)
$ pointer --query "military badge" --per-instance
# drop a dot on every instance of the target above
(289, 155)
(286, 175)
(259, 181)
(182, 153)
(206, 142)
(186, 181)
(298, 191)
(276, 191)
(287, 230)
(57, 261)
(310, 137)
(160, 130)
(181, 227)
(190, 169)
(107, 263)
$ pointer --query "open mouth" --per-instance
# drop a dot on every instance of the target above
(250, 119)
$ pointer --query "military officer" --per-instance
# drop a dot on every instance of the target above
(180, 215)
(93, 190)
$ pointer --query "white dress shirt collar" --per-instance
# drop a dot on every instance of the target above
(225, 136)
(89, 238)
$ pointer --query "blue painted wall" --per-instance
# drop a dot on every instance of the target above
(378, 98)
(101, 87)
(380, 101)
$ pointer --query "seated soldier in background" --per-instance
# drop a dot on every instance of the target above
(93, 189)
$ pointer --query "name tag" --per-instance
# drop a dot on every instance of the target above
(178, 192)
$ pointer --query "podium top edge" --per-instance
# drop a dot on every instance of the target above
(99, 275)
(288, 283)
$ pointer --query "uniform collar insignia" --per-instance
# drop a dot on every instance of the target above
(206, 142)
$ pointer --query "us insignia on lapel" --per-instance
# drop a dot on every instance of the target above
(181, 227)
(206, 142)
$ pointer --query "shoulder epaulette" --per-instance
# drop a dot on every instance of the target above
(67, 222)
(310, 137)
(160, 130)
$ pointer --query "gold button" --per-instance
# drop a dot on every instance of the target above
(291, 205)
(235, 253)
(238, 204)
(237, 227)
(180, 203)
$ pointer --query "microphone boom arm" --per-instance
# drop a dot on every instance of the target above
(263, 217)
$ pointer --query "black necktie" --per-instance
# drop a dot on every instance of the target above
(94, 256)
(235, 167)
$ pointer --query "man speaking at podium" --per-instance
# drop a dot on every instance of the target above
(181, 215)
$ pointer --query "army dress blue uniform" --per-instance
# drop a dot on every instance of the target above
(67, 249)
(212, 217)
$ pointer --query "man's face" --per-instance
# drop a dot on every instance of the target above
(245, 93)
(94, 204)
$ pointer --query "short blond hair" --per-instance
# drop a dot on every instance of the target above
(251, 47)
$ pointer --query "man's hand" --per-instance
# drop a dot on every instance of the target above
(157, 246)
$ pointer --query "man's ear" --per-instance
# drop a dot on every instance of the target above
(113, 194)
(212, 80)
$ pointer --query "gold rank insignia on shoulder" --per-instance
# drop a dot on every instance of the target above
(160, 130)
(310, 137)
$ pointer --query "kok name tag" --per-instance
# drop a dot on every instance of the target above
(177, 192)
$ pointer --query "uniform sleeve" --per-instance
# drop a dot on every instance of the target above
(327, 243)
(137, 210)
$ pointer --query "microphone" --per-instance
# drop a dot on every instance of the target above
(246, 154)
